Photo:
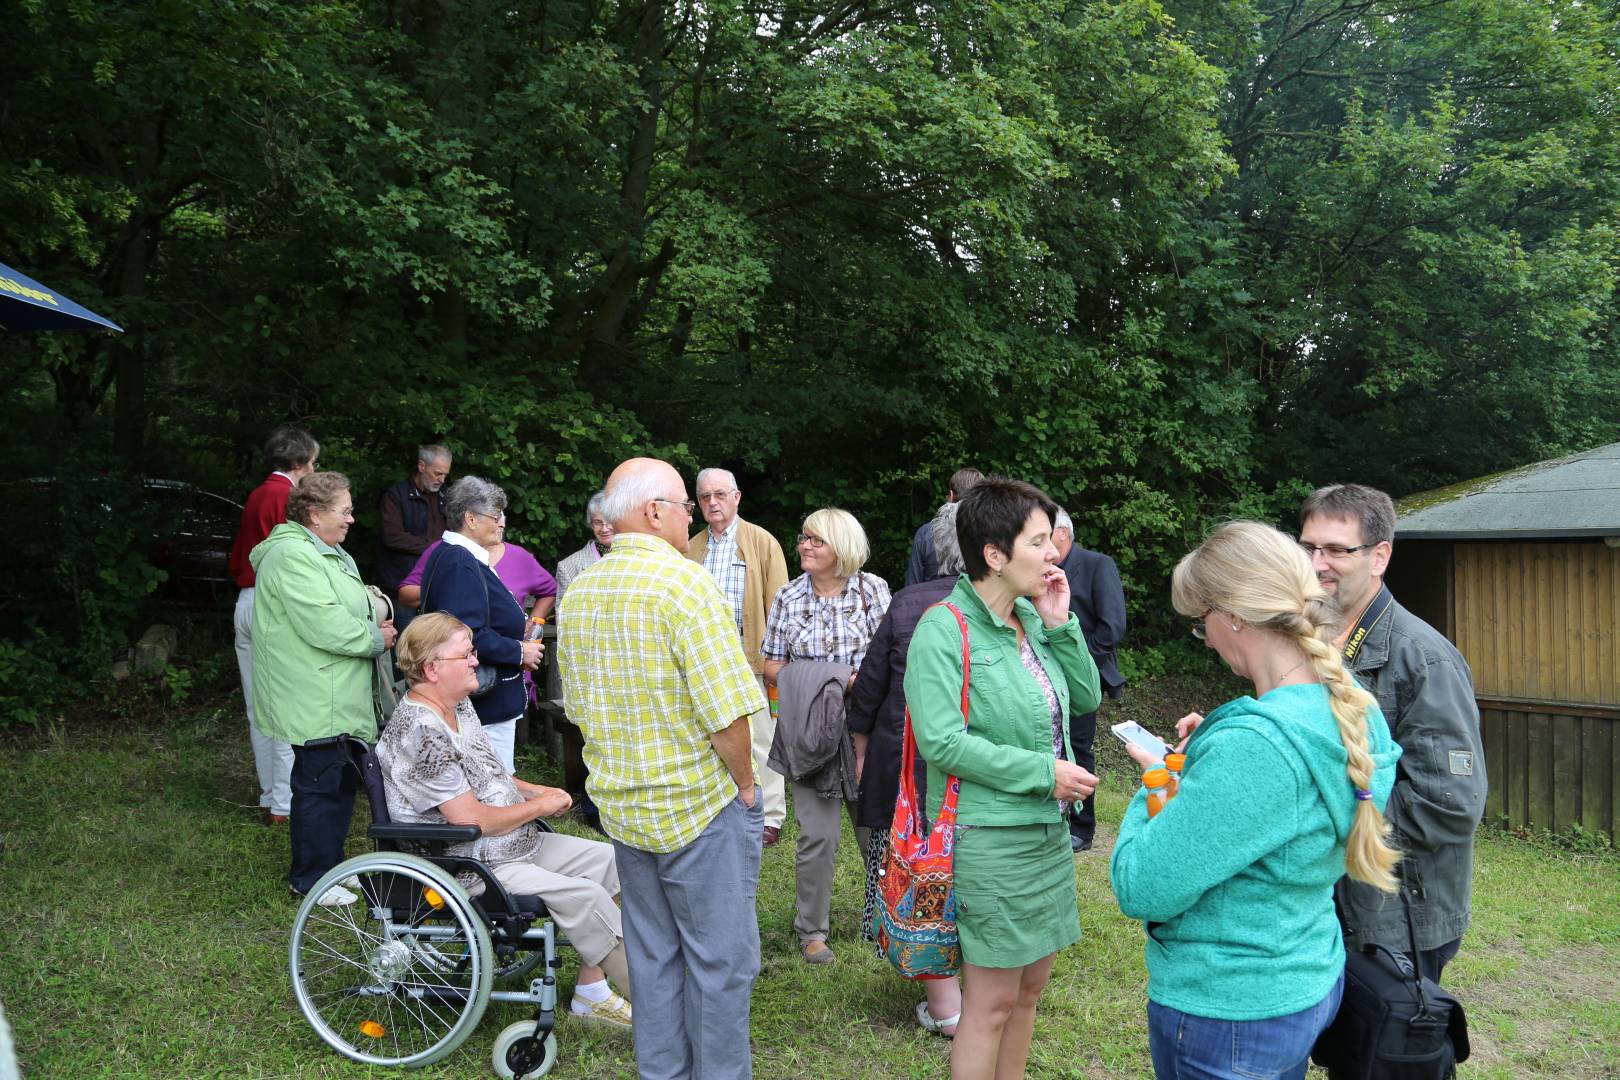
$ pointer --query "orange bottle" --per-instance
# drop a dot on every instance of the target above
(1173, 764)
(1157, 781)
(771, 698)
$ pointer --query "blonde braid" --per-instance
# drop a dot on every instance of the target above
(1368, 855)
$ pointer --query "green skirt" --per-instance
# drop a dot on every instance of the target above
(1015, 898)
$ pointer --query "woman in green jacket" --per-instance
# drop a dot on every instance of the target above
(1279, 798)
(1029, 669)
(313, 643)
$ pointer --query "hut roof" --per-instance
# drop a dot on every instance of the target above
(1572, 496)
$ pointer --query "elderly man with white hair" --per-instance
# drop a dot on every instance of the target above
(655, 677)
(1098, 600)
(748, 565)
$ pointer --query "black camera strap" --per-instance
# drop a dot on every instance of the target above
(1370, 617)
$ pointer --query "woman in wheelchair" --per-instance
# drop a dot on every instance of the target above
(438, 767)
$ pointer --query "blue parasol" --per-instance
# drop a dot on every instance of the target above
(25, 304)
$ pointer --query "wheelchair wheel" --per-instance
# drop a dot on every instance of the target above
(400, 977)
(515, 1049)
(519, 965)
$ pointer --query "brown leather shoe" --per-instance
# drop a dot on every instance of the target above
(771, 835)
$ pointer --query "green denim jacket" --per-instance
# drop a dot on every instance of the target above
(313, 640)
(1004, 758)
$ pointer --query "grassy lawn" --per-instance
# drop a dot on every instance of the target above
(150, 921)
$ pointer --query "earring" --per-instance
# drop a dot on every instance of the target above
(1234, 628)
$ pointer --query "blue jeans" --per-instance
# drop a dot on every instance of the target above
(1188, 1047)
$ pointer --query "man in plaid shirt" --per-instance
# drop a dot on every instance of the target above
(655, 676)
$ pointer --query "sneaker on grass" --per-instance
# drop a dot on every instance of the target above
(613, 1012)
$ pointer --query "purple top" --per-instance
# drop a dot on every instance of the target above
(519, 571)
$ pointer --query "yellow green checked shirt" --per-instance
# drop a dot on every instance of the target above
(651, 667)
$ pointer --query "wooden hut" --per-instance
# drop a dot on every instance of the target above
(1521, 571)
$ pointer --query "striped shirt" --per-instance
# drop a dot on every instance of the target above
(724, 560)
(652, 666)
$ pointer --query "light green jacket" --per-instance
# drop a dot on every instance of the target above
(313, 640)
(1004, 757)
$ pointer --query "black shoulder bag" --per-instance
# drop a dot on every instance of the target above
(1394, 1023)
(486, 672)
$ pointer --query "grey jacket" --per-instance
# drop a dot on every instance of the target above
(1426, 692)
(812, 745)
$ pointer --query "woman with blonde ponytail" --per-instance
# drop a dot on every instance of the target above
(1280, 796)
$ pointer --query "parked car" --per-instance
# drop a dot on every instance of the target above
(196, 552)
(82, 528)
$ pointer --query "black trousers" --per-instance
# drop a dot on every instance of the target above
(1082, 736)
(1434, 961)
(323, 787)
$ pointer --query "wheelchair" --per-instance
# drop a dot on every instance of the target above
(403, 975)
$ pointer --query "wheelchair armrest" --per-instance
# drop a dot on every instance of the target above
(425, 834)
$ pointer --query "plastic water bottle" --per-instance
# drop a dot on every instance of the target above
(536, 627)
(1173, 764)
(1157, 781)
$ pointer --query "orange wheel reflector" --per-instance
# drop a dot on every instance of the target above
(431, 895)
(372, 1030)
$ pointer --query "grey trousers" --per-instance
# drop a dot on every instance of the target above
(816, 858)
(692, 939)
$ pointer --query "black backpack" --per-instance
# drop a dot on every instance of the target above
(1393, 1024)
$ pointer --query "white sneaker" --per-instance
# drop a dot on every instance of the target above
(337, 896)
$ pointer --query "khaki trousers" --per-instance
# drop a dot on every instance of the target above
(578, 880)
(772, 784)
(817, 858)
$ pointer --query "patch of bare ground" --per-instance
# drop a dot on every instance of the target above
(1516, 1020)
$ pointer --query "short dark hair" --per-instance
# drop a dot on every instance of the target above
(994, 512)
(1371, 509)
(290, 447)
(317, 491)
(964, 480)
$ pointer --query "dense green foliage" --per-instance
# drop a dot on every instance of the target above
(1173, 261)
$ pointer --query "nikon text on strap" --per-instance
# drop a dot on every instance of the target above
(1369, 619)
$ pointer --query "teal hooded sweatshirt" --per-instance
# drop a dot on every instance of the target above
(1234, 877)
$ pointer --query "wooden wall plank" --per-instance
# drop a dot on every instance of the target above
(1493, 732)
(1597, 803)
(1539, 812)
(1518, 768)
(1566, 771)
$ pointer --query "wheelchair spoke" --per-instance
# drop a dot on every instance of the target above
(393, 985)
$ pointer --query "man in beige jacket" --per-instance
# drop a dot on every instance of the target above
(749, 567)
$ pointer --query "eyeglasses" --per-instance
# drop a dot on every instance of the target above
(499, 519)
(687, 504)
(470, 654)
(814, 543)
(715, 496)
(1332, 551)
(1198, 630)
(601, 527)
(346, 512)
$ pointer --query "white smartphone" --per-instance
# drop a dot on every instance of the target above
(1137, 735)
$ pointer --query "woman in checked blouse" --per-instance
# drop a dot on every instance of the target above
(828, 613)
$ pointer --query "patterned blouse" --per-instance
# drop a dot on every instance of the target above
(837, 629)
(1037, 671)
(425, 764)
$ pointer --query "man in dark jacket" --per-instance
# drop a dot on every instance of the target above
(1098, 600)
(409, 518)
(1426, 692)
